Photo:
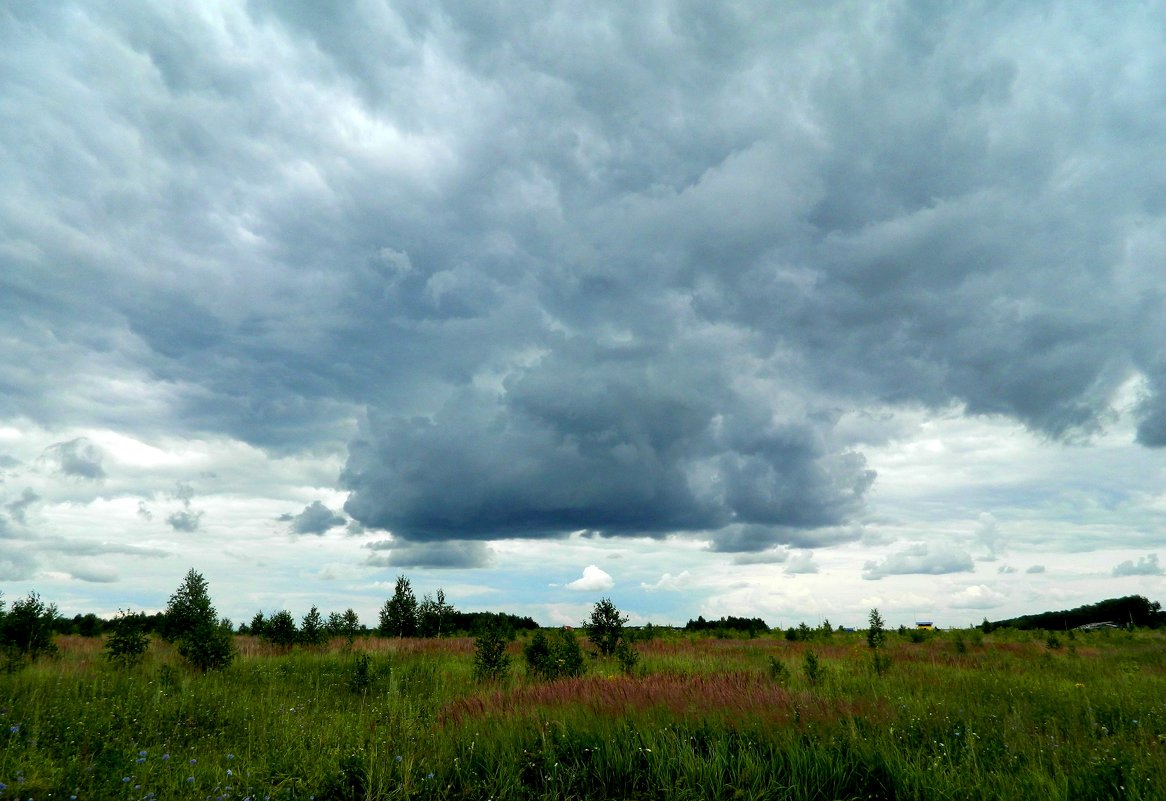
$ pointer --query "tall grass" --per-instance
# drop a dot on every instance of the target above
(996, 717)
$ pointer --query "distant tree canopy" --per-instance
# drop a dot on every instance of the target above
(1133, 610)
(752, 625)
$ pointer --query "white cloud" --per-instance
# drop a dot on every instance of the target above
(667, 582)
(593, 579)
(977, 596)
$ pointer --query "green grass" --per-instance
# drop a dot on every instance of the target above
(1002, 717)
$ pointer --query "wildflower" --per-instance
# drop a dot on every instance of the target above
(229, 772)
(193, 761)
(141, 753)
(1080, 686)
(230, 756)
(14, 728)
(125, 779)
(429, 775)
(398, 757)
(165, 757)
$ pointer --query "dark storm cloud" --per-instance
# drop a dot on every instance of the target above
(618, 270)
(316, 518)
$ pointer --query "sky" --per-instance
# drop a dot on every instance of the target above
(780, 310)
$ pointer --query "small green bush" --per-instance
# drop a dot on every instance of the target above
(128, 641)
(812, 668)
(560, 657)
(491, 662)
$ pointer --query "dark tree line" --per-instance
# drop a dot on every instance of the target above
(1132, 610)
(751, 625)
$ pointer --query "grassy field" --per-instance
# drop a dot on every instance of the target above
(957, 716)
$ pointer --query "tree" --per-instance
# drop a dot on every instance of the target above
(433, 616)
(27, 628)
(189, 608)
(312, 631)
(399, 614)
(876, 636)
(344, 624)
(190, 620)
(128, 641)
(281, 629)
(258, 624)
(605, 626)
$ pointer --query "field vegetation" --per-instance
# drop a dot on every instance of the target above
(956, 714)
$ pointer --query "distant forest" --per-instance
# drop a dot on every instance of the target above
(1132, 610)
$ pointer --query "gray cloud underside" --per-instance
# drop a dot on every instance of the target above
(619, 271)
(920, 559)
(316, 518)
(1145, 566)
(438, 555)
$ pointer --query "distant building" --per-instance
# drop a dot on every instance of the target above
(926, 625)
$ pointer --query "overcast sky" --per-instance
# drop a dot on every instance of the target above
(769, 309)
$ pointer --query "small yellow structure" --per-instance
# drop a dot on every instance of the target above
(926, 625)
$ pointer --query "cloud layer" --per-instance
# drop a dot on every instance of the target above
(675, 271)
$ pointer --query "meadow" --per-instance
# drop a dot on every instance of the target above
(955, 715)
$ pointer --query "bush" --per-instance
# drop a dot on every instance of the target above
(778, 671)
(491, 662)
(812, 668)
(627, 656)
(361, 678)
(560, 658)
(128, 641)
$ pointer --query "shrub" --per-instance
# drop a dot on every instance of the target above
(555, 659)
(361, 678)
(627, 656)
(491, 662)
(778, 671)
(128, 641)
(812, 668)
